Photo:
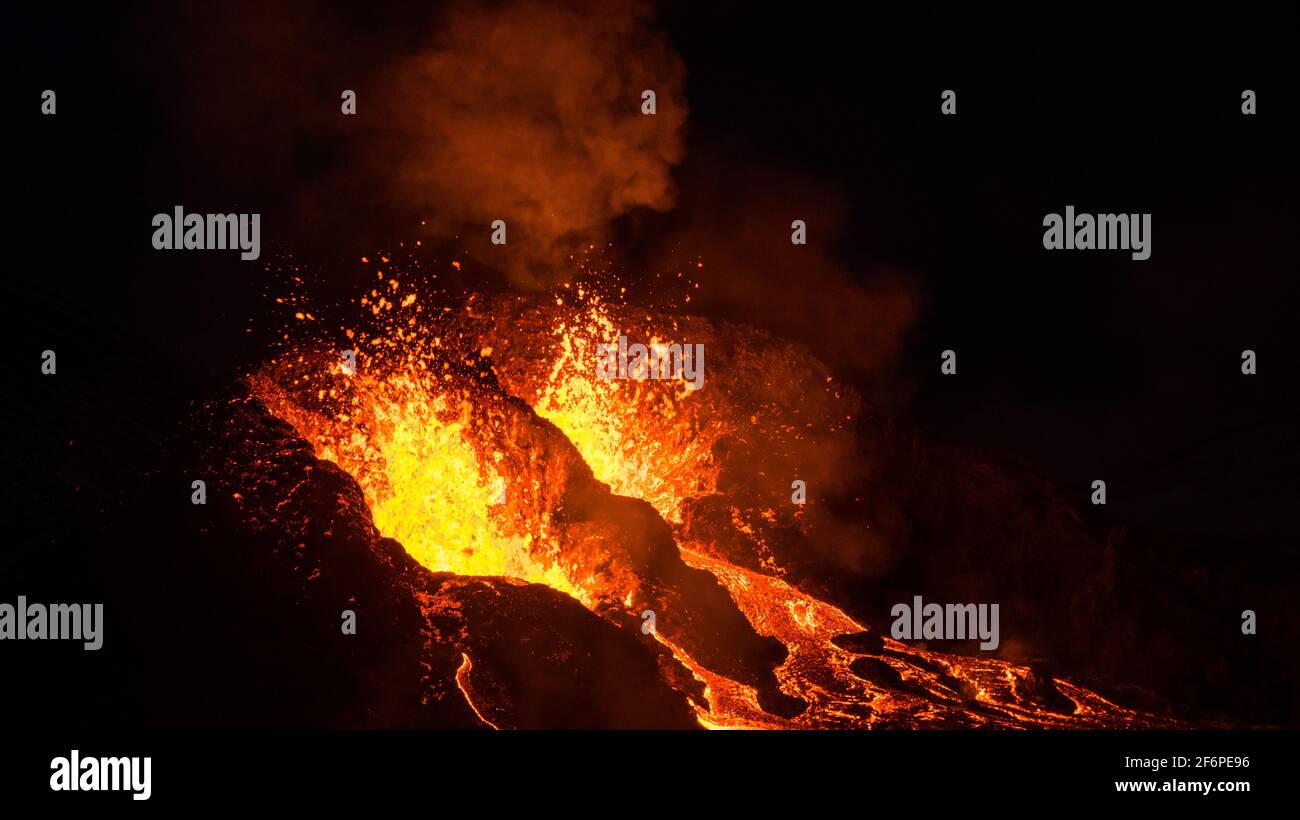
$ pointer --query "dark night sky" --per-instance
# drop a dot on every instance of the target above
(1072, 365)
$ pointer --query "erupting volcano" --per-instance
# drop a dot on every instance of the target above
(478, 440)
(414, 384)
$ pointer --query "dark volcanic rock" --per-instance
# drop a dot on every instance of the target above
(625, 543)
(878, 672)
(861, 643)
(1040, 687)
(541, 660)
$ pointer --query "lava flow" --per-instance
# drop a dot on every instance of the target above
(484, 442)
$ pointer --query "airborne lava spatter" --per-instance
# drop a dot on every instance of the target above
(434, 427)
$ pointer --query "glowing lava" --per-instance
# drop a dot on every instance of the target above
(403, 438)
(634, 434)
(414, 425)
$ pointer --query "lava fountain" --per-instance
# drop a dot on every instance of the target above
(484, 442)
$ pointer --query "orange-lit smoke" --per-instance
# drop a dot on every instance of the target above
(531, 113)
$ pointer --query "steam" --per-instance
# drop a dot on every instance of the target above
(531, 113)
(735, 214)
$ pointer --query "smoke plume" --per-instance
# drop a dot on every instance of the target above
(531, 113)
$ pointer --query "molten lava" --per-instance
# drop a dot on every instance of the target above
(438, 426)
(403, 439)
(608, 420)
